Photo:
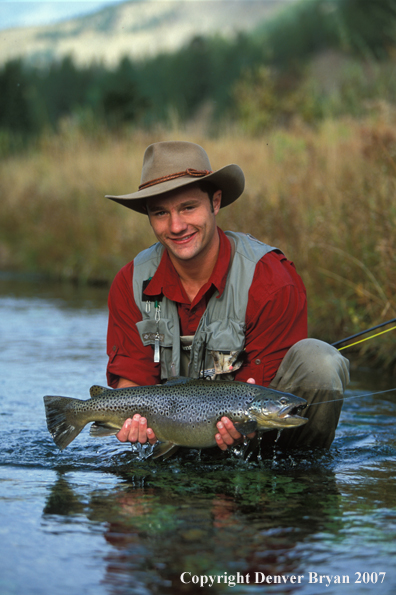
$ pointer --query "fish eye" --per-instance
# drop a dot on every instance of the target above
(283, 401)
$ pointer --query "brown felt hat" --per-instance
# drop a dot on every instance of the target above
(173, 164)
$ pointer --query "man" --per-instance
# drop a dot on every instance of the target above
(203, 303)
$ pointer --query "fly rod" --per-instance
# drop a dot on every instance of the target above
(373, 328)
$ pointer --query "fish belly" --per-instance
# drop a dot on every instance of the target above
(185, 422)
(197, 435)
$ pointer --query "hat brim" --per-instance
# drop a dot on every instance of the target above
(229, 179)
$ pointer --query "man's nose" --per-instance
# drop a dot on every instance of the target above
(177, 223)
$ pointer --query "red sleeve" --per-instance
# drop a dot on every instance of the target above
(276, 317)
(128, 357)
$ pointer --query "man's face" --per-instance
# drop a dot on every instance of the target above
(184, 222)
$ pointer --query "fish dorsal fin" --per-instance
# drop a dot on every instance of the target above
(97, 391)
(173, 380)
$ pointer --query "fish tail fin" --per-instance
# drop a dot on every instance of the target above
(62, 423)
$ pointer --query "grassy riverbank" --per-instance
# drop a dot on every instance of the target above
(326, 197)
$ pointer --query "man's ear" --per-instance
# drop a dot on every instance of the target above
(217, 201)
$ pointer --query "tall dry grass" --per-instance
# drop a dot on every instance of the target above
(325, 197)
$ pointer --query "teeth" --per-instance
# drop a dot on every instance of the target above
(182, 239)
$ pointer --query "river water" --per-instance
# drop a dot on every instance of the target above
(94, 519)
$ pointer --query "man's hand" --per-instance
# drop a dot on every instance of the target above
(136, 430)
(228, 435)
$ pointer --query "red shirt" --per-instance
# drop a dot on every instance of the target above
(276, 316)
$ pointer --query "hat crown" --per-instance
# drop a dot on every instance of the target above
(170, 157)
(171, 165)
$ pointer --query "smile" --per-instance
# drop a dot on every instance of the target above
(184, 239)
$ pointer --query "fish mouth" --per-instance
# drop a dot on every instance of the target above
(292, 411)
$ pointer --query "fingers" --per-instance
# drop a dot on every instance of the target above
(124, 432)
(227, 433)
(152, 438)
(251, 381)
(136, 430)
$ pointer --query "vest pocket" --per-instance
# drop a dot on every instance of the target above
(148, 330)
(224, 335)
(217, 346)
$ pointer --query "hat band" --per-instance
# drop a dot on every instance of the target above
(194, 173)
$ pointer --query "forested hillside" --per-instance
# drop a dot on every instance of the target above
(318, 58)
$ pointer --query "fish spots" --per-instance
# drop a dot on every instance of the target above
(193, 403)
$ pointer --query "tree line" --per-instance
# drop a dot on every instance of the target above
(225, 73)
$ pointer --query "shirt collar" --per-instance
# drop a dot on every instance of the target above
(166, 281)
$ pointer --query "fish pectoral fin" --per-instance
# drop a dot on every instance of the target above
(165, 449)
(99, 429)
(97, 391)
(246, 427)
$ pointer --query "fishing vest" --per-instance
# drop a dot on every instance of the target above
(220, 337)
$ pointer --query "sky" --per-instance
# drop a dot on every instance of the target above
(18, 13)
(25, 13)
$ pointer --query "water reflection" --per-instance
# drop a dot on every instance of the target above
(211, 521)
(62, 293)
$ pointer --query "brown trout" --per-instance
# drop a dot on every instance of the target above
(182, 412)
